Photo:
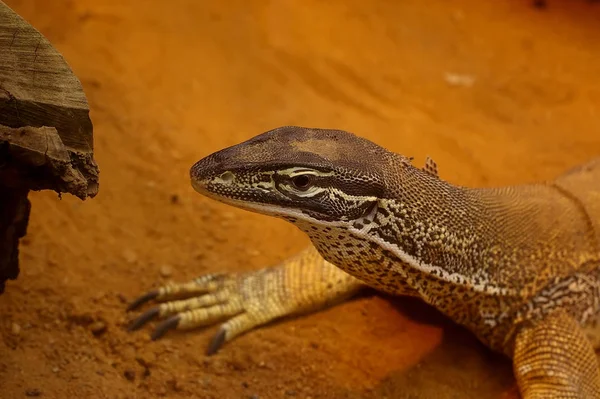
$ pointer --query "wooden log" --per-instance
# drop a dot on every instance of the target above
(14, 216)
(46, 135)
(36, 159)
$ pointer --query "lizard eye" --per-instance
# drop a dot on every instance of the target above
(301, 182)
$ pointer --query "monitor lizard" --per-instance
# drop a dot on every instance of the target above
(519, 266)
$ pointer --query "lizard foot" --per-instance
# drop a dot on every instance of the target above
(214, 297)
(303, 283)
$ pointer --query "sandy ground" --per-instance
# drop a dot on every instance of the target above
(496, 92)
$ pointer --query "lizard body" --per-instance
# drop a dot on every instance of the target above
(514, 265)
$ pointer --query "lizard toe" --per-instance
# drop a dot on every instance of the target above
(202, 285)
(232, 328)
(169, 324)
(217, 342)
(200, 317)
(143, 299)
(175, 307)
(143, 319)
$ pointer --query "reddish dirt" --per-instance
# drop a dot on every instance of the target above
(495, 92)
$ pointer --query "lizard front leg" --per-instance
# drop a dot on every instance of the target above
(300, 284)
(554, 359)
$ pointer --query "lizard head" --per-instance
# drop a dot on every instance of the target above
(299, 173)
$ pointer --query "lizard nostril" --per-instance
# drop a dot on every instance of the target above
(227, 177)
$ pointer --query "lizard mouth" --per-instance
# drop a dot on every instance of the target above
(199, 188)
(279, 211)
(202, 188)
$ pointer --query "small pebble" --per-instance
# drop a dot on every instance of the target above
(253, 252)
(166, 270)
(130, 256)
(98, 328)
(55, 369)
(33, 392)
(129, 374)
(15, 328)
(228, 215)
(145, 359)
(174, 384)
(456, 79)
(174, 199)
(205, 382)
(541, 4)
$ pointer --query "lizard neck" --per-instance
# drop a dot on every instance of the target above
(424, 227)
(433, 223)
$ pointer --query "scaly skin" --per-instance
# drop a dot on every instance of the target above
(518, 266)
(301, 284)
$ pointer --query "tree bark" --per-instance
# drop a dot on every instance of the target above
(46, 135)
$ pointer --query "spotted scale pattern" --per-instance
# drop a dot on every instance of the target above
(516, 265)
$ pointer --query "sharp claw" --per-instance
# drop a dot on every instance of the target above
(143, 299)
(216, 343)
(143, 319)
(165, 326)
